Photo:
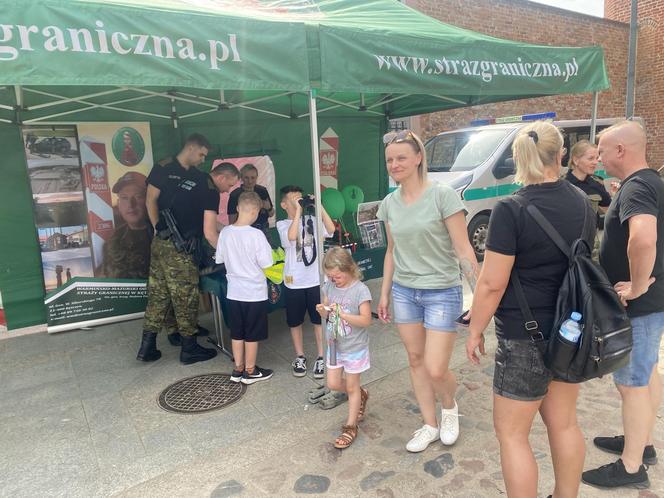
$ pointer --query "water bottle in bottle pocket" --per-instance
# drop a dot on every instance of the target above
(571, 328)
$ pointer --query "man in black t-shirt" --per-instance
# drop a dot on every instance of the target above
(193, 200)
(249, 176)
(632, 253)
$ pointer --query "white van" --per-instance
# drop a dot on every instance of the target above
(473, 161)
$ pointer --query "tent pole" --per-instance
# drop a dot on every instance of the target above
(593, 117)
(315, 161)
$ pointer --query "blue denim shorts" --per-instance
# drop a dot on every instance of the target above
(436, 308)
(647, 335)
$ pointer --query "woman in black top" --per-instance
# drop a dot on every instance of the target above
(583, 159)
(522, 384)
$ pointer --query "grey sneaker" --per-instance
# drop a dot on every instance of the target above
(319, 368)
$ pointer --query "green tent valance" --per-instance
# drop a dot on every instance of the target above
(376, 56)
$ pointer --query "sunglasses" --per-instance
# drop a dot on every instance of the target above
(395, 137)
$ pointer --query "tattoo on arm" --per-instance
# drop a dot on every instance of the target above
(471, 271)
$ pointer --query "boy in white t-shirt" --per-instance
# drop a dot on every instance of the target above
(301, 277)
(246, 251)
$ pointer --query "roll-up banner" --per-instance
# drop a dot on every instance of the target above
(88, 188)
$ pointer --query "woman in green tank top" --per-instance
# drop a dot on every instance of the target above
(427, 241)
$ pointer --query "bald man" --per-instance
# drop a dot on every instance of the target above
(632, 253)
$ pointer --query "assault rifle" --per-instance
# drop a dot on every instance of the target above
(173, 233)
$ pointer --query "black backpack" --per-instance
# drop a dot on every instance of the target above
(606, 340)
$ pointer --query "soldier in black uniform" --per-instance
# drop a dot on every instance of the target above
(193, 200)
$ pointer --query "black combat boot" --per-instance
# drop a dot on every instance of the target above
(175, 338)
(148, 350)
(202, 331)
(191, 352)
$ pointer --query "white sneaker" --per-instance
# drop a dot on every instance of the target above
(449, 425)
(422, 438)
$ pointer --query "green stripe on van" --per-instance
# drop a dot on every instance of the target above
(476, 194)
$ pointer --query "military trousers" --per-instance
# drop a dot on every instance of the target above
(172, 289)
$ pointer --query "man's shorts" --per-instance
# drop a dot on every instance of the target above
(646, 335)
(298, 302)
(520, 372)
(436, 308)
(248, 320)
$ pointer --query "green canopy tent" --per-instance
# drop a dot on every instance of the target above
(196, 63)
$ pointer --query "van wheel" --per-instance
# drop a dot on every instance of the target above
(477, 231)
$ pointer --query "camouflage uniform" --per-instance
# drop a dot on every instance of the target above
(173, 296)
(172, 287)
(126, 254)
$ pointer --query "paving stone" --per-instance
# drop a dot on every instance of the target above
(311, 484)
(440, 465)
(539, 455)
(328, 453)
(413, 408)
(227, 488)
(487, 484)
(471, 386)
(385, 493)
(374, 479)
(372, 429)
(484, 426)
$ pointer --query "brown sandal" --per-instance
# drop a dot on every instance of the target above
(347, 436)
(364, 397)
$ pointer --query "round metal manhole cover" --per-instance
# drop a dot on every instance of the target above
(201, 393)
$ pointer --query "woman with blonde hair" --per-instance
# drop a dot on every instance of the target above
(583, 160)
(522, 384)
(427, 241)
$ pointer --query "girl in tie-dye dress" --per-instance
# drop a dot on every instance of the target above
(346, 308)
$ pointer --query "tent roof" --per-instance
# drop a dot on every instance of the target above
(375, 56)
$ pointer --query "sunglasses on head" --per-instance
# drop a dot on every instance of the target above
(395, 137)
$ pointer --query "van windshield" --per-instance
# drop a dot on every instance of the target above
(463, 151)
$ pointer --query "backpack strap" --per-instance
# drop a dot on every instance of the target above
(530, 325)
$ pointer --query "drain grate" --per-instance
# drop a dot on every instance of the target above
(201, 393)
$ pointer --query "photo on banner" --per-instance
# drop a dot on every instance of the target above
(266, 178)
(116, 160)
(88, 185)
(52, 158)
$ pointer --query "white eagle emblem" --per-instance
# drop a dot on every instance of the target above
(328, 158)
(97, 172)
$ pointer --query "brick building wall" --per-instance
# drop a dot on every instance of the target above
(649, 88)
(531, 22)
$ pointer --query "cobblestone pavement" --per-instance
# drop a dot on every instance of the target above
(297, 456)
(79, 418)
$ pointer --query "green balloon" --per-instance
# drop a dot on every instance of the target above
(353, 196)
(333, 202)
